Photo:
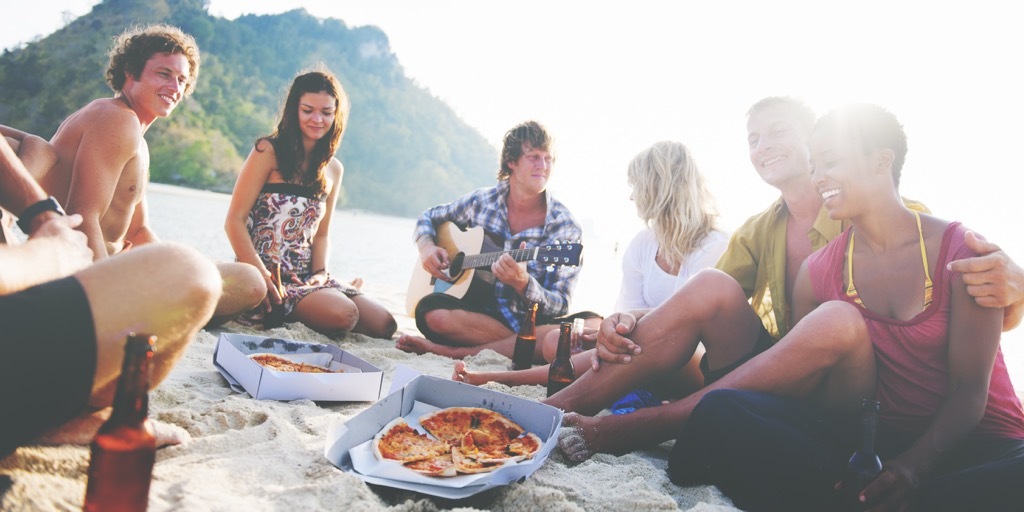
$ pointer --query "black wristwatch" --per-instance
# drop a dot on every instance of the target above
(46, 205)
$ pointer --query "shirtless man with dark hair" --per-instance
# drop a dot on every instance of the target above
(102, 167)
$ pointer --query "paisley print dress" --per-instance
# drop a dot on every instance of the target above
(281, 225)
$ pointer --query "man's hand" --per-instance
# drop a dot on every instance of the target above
(892, 489)
(435, 260)
(70, 247)
(508, 271)
(613, 345)
(993, 279)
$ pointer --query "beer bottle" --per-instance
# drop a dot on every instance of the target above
(562, 373)
(526, 341)
(124, 449)
(864, 465)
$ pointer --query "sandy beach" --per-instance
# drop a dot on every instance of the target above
(247, 454)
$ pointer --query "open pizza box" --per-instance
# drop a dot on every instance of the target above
(359, 380)
(411, 395)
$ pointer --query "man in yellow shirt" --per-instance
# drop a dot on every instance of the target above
(760, 266)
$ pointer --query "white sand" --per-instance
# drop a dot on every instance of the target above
(250, 454)
(263, 455)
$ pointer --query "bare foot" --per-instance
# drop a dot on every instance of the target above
(462, 374)
(421, 345)
(82, 429)
(583, 436)
(357, 283)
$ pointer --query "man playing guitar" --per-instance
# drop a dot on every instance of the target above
(518, 212)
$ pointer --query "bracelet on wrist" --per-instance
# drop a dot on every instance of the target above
(322, 271)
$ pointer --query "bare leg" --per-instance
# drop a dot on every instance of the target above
(243, 289)
(374, 319)
(461, 328)
(167, 290)
(549, 343)
(327, 310)
(827, 357)
(538, 375)
(504, 346)
(710, 308)
(82, 430)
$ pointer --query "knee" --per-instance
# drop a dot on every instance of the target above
(717, 290)
(387, 327)
(343, 318)
(549, 345)
(842, 324)
(439, 320)
(245, 281)
(197, 281)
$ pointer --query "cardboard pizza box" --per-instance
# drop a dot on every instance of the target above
(360, 381)
(409, 390)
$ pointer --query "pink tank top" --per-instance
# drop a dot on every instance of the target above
(911, 356)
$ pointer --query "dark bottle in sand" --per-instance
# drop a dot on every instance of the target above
(124, 450)
(864, 464)
(526, 340)
(562, 373)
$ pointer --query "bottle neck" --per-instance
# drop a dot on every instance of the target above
(131, 398)
(868, 425)
(564, 341)
(528, 329)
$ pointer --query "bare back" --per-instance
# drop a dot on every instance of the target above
(102, 168)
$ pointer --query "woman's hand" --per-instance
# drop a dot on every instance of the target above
(319, 278)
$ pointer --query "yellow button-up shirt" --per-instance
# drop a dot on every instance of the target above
(756, 258)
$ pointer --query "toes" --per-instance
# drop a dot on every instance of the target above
(459, 373)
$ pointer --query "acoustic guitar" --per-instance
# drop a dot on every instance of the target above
(466, 253)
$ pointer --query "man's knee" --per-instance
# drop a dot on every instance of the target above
(439, 320)
(842, 324)
(196, 279)
(243, 282)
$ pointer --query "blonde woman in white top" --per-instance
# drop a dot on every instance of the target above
(682, 236)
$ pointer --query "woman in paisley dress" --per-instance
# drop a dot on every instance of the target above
(281, 210)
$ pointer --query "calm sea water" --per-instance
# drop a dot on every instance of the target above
(380, 249)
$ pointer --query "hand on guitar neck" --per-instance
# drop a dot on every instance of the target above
(448, 265)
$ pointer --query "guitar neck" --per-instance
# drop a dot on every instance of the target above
(488, 259)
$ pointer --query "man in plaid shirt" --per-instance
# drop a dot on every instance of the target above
(516, 213)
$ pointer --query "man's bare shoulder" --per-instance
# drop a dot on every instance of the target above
(108, 114)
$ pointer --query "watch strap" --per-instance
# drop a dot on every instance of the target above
(49, 204)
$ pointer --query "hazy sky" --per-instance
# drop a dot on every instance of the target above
(611, 78)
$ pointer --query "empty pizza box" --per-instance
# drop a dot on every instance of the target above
(347, 441)
(360, 381)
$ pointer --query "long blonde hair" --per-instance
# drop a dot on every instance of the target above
(672, 199)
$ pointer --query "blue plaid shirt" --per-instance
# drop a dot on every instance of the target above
(487, 208)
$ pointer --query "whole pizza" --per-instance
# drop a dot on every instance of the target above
(462, 440)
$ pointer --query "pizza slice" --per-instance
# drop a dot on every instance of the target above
(487, 448)
(451, 424)
(524, 447)
(438, 466)
(283, 364)
(466, 461)
(398, 441)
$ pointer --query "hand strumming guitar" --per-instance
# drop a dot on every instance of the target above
(434, 258)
